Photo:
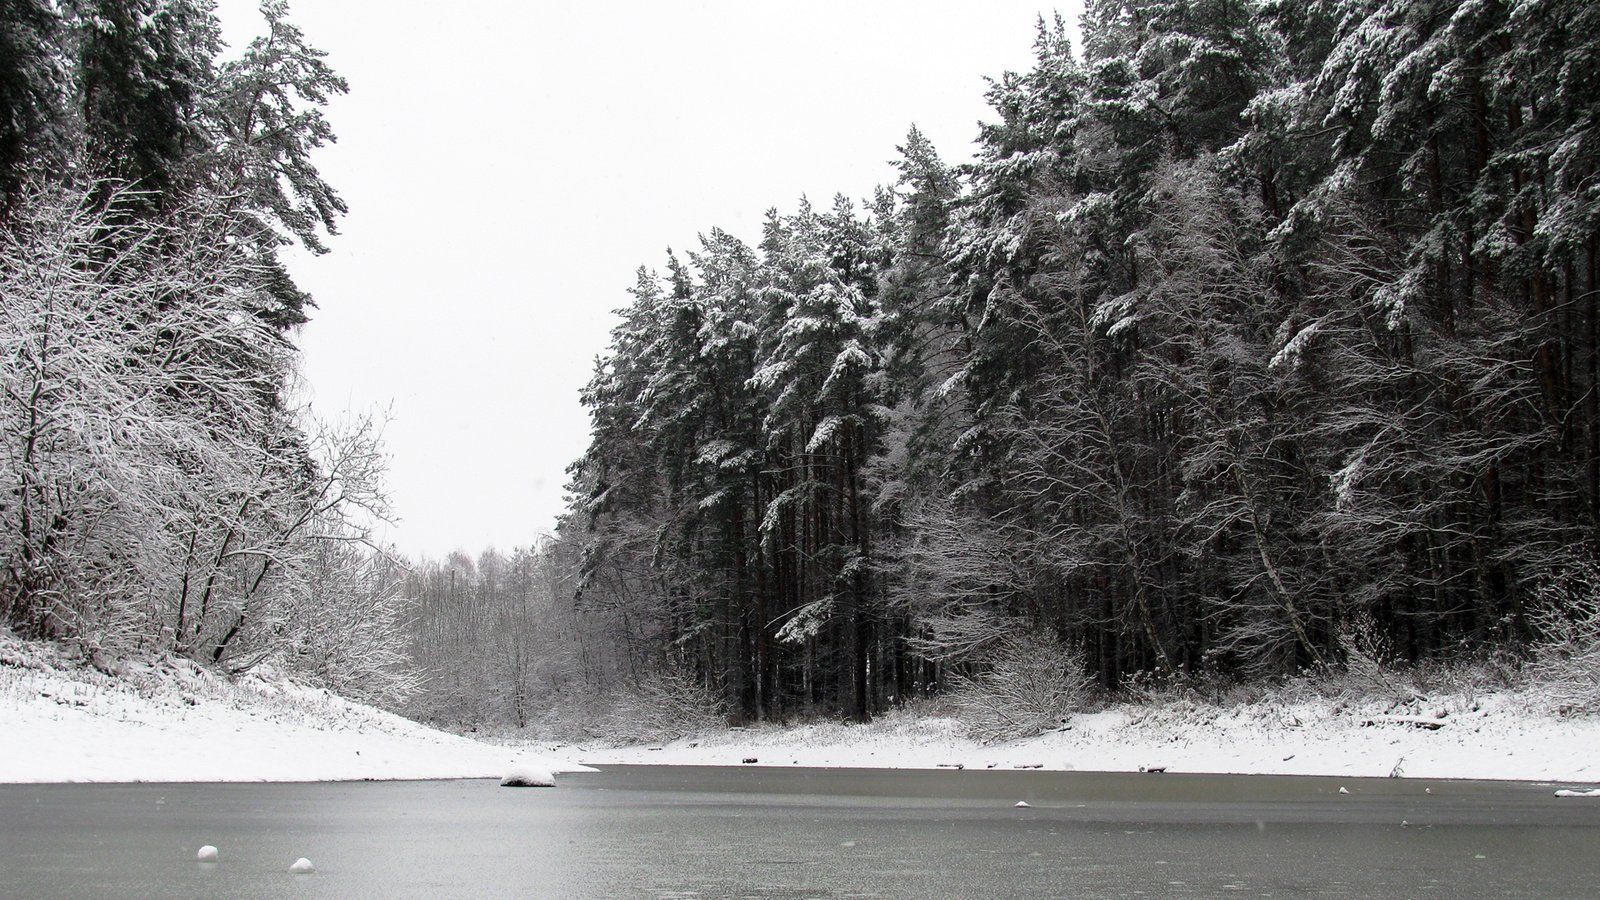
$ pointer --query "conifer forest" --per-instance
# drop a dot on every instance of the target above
(1252, 326)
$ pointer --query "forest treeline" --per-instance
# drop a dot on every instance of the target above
(1254, 324)
(162, 493)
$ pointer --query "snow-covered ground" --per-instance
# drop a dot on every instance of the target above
(173, 721)
(1485, 736)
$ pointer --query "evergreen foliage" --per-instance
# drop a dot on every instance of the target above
(1256, 320)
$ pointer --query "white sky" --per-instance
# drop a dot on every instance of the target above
(510, 164)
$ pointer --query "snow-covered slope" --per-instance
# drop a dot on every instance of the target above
(173, 721)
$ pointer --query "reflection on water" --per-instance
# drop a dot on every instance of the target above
(777, 833)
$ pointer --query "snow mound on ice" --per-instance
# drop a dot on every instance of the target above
(207, 853)
(528, 776)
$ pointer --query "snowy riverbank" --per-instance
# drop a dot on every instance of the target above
(1484, 736)
(173, 721)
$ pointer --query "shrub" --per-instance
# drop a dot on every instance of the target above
(1566, 653)
(1028, 684)
(669, 705)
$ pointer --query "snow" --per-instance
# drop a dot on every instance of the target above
(171, 720)
(1571, 793)
(1485, 735)
(207, 854)
(302, 866)
(528, 776)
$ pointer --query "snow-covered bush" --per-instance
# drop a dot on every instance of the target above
(350, 635)
(1156, 688)
(668, 705)
(1566, 655)
(1369, 665)
(1028, 684)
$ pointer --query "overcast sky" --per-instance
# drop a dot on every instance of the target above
(510, 164)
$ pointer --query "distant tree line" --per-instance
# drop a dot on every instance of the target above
(1254, 319)
(493, 639)
(496, 641)
(158, 491)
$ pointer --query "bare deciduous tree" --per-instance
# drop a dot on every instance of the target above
(157, 494)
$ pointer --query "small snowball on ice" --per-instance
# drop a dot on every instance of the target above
(302, 866)
(1344, 790)
(1567, 793)
(1023, 804)
(528, 776)
(207, 853)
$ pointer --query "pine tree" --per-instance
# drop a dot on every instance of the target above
(263, 115)
(33, 92)
(143, 69)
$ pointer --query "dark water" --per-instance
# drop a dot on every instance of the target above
(790, 833)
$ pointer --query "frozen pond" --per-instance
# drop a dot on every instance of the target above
(767, 832)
